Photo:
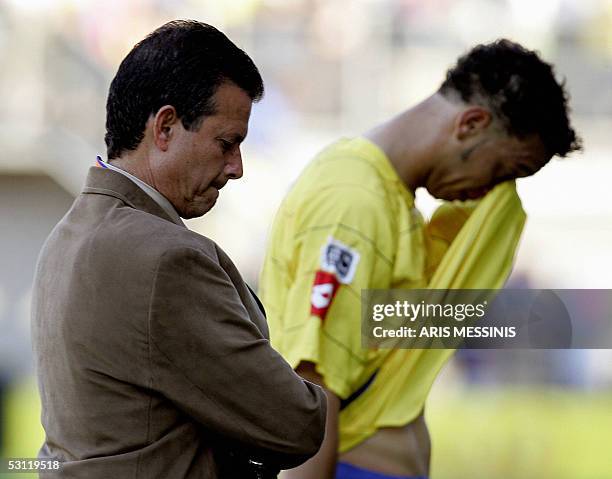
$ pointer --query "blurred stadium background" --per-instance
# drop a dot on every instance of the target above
(331, 68)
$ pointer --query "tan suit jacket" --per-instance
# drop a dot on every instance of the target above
(151, 352)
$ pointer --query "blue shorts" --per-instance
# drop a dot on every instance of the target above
(348, 471)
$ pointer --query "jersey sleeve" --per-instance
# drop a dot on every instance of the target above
(342, 243)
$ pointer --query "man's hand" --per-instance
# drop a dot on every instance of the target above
(323, 464)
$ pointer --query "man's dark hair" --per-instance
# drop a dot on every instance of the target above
(520, 89)
(180, 64)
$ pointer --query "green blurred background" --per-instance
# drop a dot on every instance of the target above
(331, 68)
(479, 433)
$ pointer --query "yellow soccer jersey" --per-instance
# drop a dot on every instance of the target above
(348, 224)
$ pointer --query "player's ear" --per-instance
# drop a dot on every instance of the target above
(471, 122)
(164, 123)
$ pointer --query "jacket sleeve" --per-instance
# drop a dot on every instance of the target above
(211, 360)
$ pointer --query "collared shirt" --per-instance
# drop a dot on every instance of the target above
(160, 199)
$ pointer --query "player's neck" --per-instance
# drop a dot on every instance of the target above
(410, 140)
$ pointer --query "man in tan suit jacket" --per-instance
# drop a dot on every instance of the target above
(152, 353)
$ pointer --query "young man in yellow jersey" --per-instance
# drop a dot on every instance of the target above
(350, 223)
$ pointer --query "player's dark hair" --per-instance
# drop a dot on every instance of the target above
(520, 89)
(180, 64)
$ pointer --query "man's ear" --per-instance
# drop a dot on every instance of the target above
(164, 124)
(472, 121)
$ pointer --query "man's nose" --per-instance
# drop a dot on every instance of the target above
(233, 168)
